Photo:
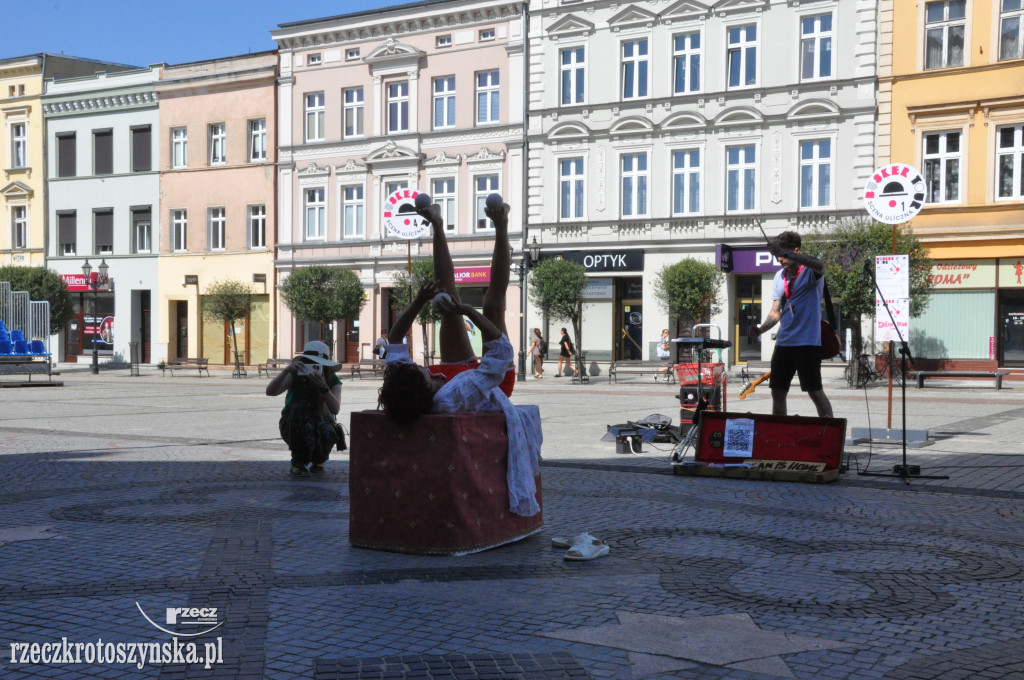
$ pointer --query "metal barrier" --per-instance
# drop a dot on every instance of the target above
(19, 312)
(134, 353)
(5, 303)
(39, 323)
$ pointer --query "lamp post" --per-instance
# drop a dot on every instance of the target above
(95, 286)
(528, 262)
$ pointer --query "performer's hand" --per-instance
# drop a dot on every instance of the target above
(776, 250)
(432, 214)
(753, 332)
(496, 214)
(428, 290)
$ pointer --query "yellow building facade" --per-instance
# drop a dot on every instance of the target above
(951, 103)
(21, 134)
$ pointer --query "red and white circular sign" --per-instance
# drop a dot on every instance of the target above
(400, 217)
(894, 193)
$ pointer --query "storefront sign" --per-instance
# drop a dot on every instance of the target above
(608, 260)
(750, 260)
(963, 274)
(468, 276)
(598, 289)
(894, 194)
(77, 282)
(1011, 273)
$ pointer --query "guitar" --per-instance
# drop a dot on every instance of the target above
(750, 386)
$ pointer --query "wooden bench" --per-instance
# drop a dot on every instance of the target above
(271, 365)
(639, 367)
(998, 375)
(179, 363)
(375, 366)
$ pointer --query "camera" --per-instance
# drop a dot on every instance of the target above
(308, 368)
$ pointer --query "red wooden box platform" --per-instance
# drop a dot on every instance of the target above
(435, 487)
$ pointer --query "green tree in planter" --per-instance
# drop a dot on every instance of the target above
(42, 285)
(688, 290)
(323, 294)
(556, 287)
(229, 301)
(406, 287)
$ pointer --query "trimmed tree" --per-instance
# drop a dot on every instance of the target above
(406, 286)
(556, 287)
(229, 301)
(42, 284)
(323, 294)
(688, 290)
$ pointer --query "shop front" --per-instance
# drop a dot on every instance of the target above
(91, 325)
(752, 271)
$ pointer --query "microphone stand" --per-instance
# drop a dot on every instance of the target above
(903, 471)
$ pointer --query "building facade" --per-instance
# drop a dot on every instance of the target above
(217, 204)
(426, 97)
(670, 129)
(951, 105)
(104, 188)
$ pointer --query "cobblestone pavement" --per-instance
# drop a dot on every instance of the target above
(122, 497)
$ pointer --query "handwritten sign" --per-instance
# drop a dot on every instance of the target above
(885, 330)
(893, 275)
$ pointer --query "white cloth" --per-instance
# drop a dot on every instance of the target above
(476, 391)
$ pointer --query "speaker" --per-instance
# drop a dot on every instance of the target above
(688, 395)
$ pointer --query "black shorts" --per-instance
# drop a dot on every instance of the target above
(803, 360)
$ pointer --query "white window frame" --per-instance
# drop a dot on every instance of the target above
(179, 143)
(817, 38)
(142, 235)
(942, 157)
(397, 106)
(815, 163)
(314, 59)
(257, 140)
(572, 79)
(640, 65)
(218, 141)
(354, 205)
(488, 96)
(216, 228)
(1014, 14)
(446, 200)
(639, 189)
(352, 112)
(314, 118)
(576, 184)
(314, 211)
(687, 171)
(741, 48)
(944, 25)
(443, 40)
(445, 99)
(179, 230)
(741, 167)
(256, 226)
(1016, 153)
(686, 55)
(481, 222)
(19, 227)
(19, 145)
(486, 34)
(351, 54)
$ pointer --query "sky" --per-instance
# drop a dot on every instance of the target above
(144, 32)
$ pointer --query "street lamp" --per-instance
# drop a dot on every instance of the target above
(528, 262)
(95, 286)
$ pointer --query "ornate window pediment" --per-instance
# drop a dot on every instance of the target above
(814, 108)
(570, 25)
(314, 170)
(738, 6)
(351, 167)
(569, 130)
(685, 121)
(685, 11)
(631, 125)
(740, 115)
(391, 151)
(16, 190)
(485, 155)
(393, 54)
(633, 16)
(443, 160)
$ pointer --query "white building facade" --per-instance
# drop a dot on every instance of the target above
(667, 129)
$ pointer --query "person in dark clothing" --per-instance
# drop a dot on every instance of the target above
(565, 353)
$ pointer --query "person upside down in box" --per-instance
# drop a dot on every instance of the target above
(463, 383)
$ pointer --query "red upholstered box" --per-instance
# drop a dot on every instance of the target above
(435, 487)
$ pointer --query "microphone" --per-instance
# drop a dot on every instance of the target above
(866, 272)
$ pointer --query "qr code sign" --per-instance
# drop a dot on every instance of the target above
(739, 438)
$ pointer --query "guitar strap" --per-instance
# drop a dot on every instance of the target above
(829, 310)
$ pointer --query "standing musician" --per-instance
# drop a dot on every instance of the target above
(796, 307)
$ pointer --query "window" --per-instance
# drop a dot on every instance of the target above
(685, 181)
(142, 149)
(942, 167)
(179, 230)
(313, 59)
(19, 145)
(315, 214)
(315, 117)
(944, 33)
(67, 232)
(351, 53)
(570, 188)
(215, 233)
(398, 107)
(179, 147)
(1010, 159)
(19, 226)
(741, 177)
(573, 68)
(218, 144)
(634, 184)
(257, 140)
(353, 111)
(103, 232)
(686, 62)
(486, 34)
(443, 193)
(816, 173)
(487, 97)
(444, 102)
(1011, 30)
(257, 232)
(103, 152)
(141, 230)
(816, 47)
(485, 184)
(634, 69)
(742, 56)
(67, 155)
(353, 211)
(444, 41)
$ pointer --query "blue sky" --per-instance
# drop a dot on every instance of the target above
(144, 32)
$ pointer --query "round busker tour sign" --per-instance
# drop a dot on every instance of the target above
(400, 217)
(894, 194)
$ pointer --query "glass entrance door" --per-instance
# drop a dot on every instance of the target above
(1011, 331)
(747, 314)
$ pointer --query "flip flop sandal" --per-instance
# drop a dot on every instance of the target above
(563, 542)
(587, 548)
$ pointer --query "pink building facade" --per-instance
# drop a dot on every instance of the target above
(425, 98)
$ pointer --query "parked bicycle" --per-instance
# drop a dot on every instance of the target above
(860, 371)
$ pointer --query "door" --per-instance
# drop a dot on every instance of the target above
(1011, 331)
(631, 331)
(144, 318)
(181, 329)
(73, 338)
(748, 313)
